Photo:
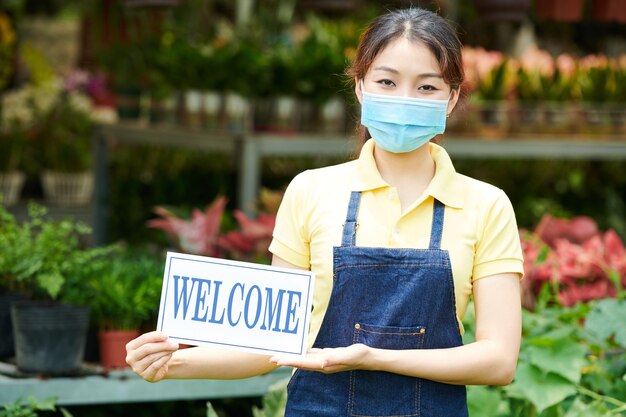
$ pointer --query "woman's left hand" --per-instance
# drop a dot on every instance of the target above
(328, 360)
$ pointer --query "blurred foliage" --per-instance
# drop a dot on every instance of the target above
(563, 188)
(190, 179)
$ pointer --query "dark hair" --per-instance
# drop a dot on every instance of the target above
(416, 25)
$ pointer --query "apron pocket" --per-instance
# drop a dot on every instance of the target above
(376, 393)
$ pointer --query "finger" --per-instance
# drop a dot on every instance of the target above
(144, 352)
(150, 337)
(157, 370)
(146, 367)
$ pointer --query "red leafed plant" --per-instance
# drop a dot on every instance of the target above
(580, 262)
(252, 239)
(198, 235)
(202, 235)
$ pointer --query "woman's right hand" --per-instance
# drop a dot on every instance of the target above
(148, 355)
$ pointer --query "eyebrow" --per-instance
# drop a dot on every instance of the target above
(395, 71)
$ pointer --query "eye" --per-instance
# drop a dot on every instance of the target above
(427, 87)
(386, 82)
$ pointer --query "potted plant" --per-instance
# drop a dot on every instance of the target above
(21, 110)
(126, 66)
(488, 80)
(544, 87)
(44, 261)
(595, 77)
(11, 178)
(66, 154)
(124, 291)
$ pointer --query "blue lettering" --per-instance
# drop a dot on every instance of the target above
(230, 304)
(200, 297)
(272, 310)
(291, 311)
(183, 296)
(216, 285)
(258, 307)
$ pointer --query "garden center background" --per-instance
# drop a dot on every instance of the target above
(130, 127)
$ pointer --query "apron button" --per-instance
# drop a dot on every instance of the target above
(357, 326)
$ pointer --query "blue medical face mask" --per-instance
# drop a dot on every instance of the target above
(402, 124)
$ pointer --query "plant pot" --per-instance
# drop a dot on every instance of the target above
(113, 347)
(128, 102)
(529, 116)
(67, 189)
(11, 184)
(212, 108)
(502, 10)
(193, 108)
(562, 10)
(49, 337)
(6, 327)
(557, 114)
(285, 114)
(609, 10)
(332, 115)
(238, 113)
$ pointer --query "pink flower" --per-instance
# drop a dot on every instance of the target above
(566, 64)
(537, 60)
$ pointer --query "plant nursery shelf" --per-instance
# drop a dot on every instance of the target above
(249, 149)
(123, 386)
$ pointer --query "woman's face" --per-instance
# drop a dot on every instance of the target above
(408, 69)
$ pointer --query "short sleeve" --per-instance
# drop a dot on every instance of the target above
(498, 249)
(290, 240)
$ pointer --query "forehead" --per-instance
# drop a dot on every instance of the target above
(407, 57)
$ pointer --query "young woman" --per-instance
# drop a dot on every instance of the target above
(398, 241)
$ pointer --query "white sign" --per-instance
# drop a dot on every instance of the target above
(235, 305)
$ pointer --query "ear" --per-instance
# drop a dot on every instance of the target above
(357, 90)
(454, 98)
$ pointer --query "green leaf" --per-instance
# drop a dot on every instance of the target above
(593, 409)
(52, 283)
(65, 412)
(606, 320)
(483, 401)
(563, 357)
(542, 389)
(210, 411)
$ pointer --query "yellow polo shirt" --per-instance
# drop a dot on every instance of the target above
(479, 231)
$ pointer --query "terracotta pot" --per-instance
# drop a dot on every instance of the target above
(562, 10)
(502, 10)
(113, 347)
(609, 10)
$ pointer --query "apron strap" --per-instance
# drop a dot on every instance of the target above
(350, 226)
(437, 227)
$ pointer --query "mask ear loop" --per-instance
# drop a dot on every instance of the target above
(449, 96)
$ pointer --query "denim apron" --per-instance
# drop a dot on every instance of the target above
(386, 298)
